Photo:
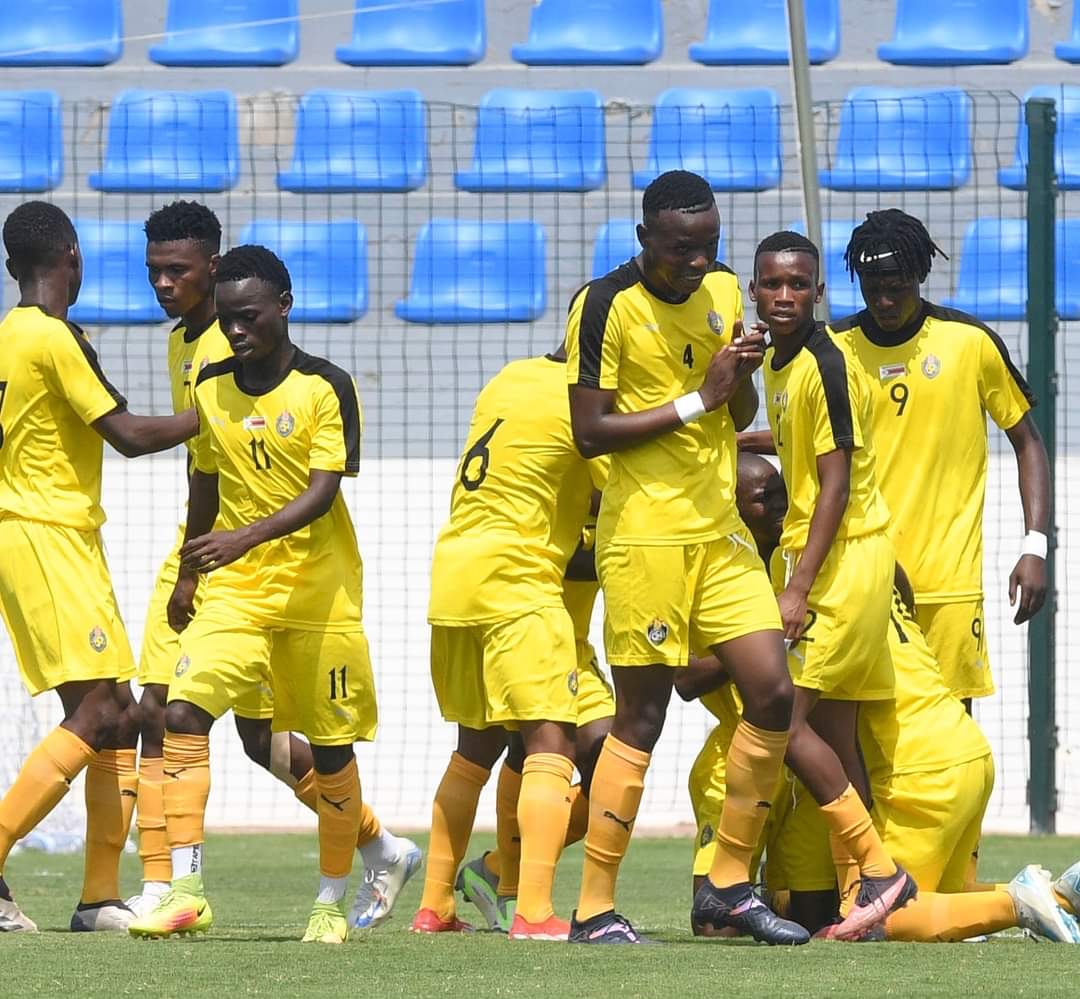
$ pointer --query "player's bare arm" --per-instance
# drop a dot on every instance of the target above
(202, 511)
(756, 442)
(701, 677)
(134, 436)
(1028, 578)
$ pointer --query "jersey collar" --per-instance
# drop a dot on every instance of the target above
(656, 292)
(297, 358)
(815, 328)
(883, 338)
(191, 334)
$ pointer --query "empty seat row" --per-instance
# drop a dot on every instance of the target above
(888, 139)
(561, 32)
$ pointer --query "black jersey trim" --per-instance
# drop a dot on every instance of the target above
(191, 334)
(599, 297)
(95, 366)
(832, 367)
(342, 384)
(227, 366)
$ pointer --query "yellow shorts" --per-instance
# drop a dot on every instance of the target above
(661, 602)
(161, 645)
(844, 651)
(797, 852)
(708, 784)
(931, 822)
(595, 699)
(957, 634)
(507, 672)
(58, 603)
(317, 683)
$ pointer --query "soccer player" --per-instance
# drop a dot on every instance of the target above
(56, 596)
(182, 253)
(659, 379)
(282, 602)
(935, 373)
(502, 642)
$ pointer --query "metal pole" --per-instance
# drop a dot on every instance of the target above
(1041, 118)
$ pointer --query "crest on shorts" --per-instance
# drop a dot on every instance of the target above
(706, 834)
(931, 366)
(571, 682)
(715, 321)
(98, 641)
(285, 423)
(657, 632)
(182, 665)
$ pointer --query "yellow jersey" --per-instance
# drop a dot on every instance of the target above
(623, 336)
(725, 705)
(263, 448)
(51, 389)
(518, 505)
(926, 727)
(819, 402)
(191, 350)
(933, 384)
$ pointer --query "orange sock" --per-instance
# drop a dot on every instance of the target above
(452, 816)
(847, 874)
(543, 814)
(491, 862)
(507, 830)
(971, 874)
(150, 821)
(43, 780)
(579, 816)
(307, 794)
(850, 822)
(753, 769)
(618, 782)
(111, 789)
(934, 917)
(186, 788)
(339, 819)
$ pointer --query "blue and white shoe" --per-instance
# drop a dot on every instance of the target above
(1037, 909)
(1068, 887)
(381, 886)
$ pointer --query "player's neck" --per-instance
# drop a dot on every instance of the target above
(47, 295)
(267, 372)
(201, 316)
(786, 347)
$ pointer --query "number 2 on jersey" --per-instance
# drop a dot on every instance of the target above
(478, 452)
(3, 392)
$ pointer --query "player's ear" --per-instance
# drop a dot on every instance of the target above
(820, 292)
(11, 269)
(285, 304)
(212, 265)
(752, 290)
(642, 231)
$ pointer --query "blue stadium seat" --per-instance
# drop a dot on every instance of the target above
(476, 272)
(730, 137)
(755, 34)
(60, 33)
(327, 262)
(1066, 141)
(537, 140)
(1070, 50)
(617, 242)
(202, 33)
(167, 140)
(592, 33)
(957, 33)
(350, 140)
(448, 33)
(894, 139)
(114, 287)
(31, 151)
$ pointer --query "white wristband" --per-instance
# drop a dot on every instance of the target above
(690, 407)
(1034, 544)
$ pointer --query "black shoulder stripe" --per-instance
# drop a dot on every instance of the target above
(720, 266)
(342, 384)
(956, 316)
(599, 296)
(216, 368)
(847, 323)
(95, 366)
(833, 370)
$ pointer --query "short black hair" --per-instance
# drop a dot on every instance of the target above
(677, 190)
(891, 240)
(251, 261)
(787, 240)
(184, 220)
(36, 233)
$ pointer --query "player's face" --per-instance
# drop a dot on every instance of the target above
(786, 289)
(181, 273)
(679, 249)
(253, 316)
(762, 503)
(892, 298)
(75, 274)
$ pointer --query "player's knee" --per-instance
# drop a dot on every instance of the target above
(184, 718)
(255, 738)
(129, 724)
(641, 730)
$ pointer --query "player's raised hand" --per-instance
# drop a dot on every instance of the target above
(729, 366)
(214, 550)
(181, 606)
(750, 345)
(1029, 579)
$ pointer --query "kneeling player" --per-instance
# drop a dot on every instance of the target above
(282, 601)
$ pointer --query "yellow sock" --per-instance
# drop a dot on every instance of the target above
(307, 794)
(618, 782)
(111, 789)
(339, 819)
(971, 873)
(452, 816)
(43, 780)
(753, 768)
(543, 814)
(850, 822)
(934, 917)
(579, 816)
(507, 830)
(186, 769)
(847, 874)
(150, 821)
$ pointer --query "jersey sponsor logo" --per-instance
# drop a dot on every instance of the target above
(254, 422)
(706, 835)
(572, 682)
(657, 632)
(182, 665)
(887, 372)
(98, 641)
(285, 423)
(931, 366)
(715, 321)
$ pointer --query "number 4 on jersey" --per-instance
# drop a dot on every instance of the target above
(688, 356)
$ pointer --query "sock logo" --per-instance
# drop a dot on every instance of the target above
(173, 774)
(126, 792)
(339, 805)
(763, 804)
(625, 823)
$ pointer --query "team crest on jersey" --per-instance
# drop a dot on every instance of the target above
(706, 834)
(187, 367)
(285, 424)
(254, 422)
(182, 665)
(887, 372)
(98, 641)
(931, 366)
(715, 321)
(657, 632)
(571, 682)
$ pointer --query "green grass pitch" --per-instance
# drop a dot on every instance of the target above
(261, 889)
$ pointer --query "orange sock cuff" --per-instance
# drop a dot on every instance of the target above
(305, 790)
(466, 770)
(67, 751)
(628, 754)
(187, 750)
(552, 764)
(339, 808)
(113, 761)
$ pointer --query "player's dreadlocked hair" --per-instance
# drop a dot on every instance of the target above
(35, 234)
(897, 236)
(183, 220)
(778, 242)
(677, 190)
(252, 261)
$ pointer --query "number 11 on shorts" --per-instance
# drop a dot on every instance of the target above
(337, 683)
